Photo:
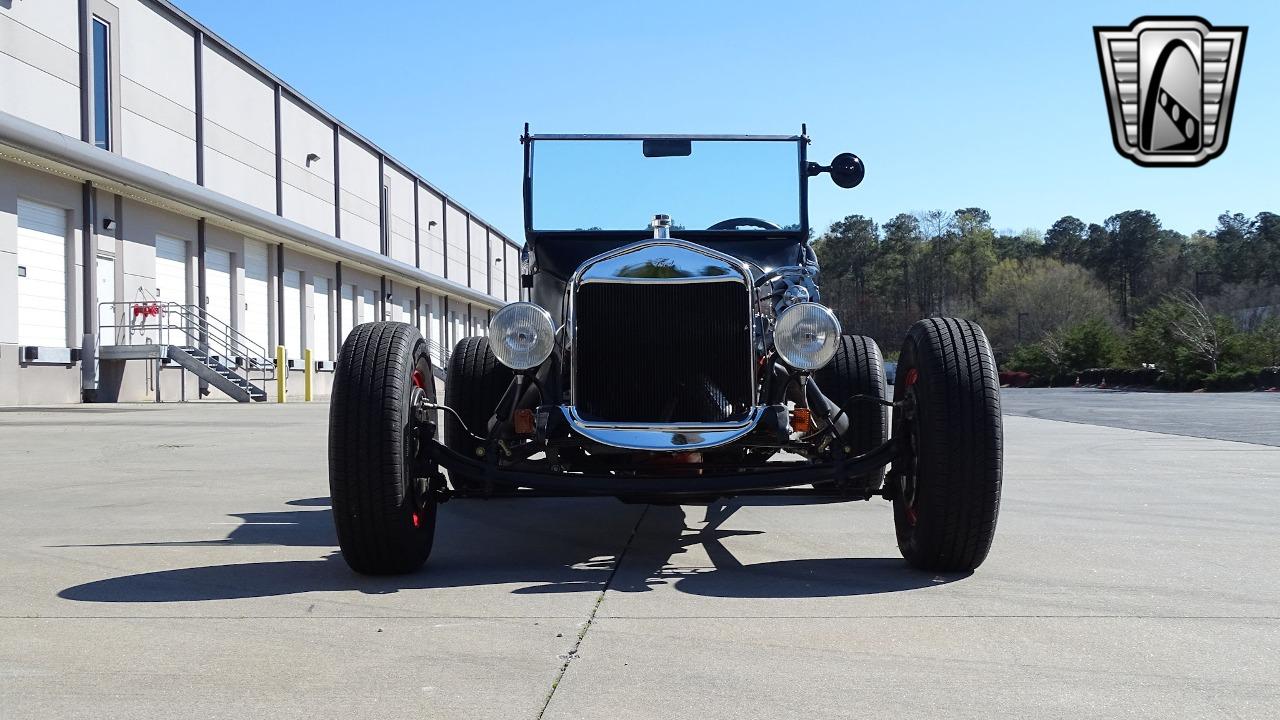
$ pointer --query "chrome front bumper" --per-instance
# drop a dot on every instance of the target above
(670, 438)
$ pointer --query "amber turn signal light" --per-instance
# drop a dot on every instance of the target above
(524, 421)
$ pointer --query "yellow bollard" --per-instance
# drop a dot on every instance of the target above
(282, 373)
(307, 374)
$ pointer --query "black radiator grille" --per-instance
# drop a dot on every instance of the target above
(662, 352)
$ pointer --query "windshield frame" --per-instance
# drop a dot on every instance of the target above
(527, 140)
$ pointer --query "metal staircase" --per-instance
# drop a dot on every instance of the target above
(211, 369)
(201, 343)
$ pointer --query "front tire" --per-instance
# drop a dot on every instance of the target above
(385, 517)
(473, 387)
(858, 370)
(948, 498)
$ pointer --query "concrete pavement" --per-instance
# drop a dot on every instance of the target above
(1252, 417)
(180, 561)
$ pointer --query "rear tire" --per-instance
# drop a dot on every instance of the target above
(384, 516)
(946, 506)
(473, 387)
(858, 369)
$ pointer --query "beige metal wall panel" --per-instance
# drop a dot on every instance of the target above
(148, 136)
(358, 175)
(511, 272)
(157, 90)
(40, 63)
(431, 237)
(308, 187)
(456, 240)
(53, 20)
(479, 257)
(497, 264)
(400, 213)
(239, 131)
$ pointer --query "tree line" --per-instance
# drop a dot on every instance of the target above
(1123, 292)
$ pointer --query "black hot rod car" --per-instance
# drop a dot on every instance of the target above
(673, 348)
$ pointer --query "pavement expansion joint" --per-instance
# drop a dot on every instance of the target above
(595, 608)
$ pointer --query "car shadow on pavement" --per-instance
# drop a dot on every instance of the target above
(540, 545)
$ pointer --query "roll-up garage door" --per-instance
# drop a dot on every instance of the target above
(293, 313)
(42, 274)
(367, 306)
(320, 302)
(349, 319)
(171, 270)
(171, 283)
(256, 307)
(424, 318)
(217, 275)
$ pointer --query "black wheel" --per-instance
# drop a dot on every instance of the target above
(473, 387)
(858, 370)
(385, 517)
(948, 497)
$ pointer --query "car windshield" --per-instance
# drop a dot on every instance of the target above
(620, 184)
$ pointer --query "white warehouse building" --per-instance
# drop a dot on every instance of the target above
(171, 213)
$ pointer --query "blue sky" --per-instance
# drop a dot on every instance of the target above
(951, 105)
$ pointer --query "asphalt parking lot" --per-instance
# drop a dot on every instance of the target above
(179, 561)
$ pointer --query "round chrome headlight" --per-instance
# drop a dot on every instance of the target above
(806, 335)
(521, 335)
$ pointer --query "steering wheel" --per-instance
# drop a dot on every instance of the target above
(735, 223)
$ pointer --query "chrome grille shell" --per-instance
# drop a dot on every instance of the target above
(664, 262)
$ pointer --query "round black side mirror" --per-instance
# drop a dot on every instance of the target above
(847, 170)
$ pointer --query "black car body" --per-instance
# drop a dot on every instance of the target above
(664, 378)
(661, 361)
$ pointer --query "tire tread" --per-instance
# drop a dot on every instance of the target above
(961, 446)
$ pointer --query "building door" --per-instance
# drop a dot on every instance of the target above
(348, 307)
(424, 324)
(292, 331)
(320, 303)
(42, 274)
(459, 329)
(217, 297)
(111, 318)
(256, 294)
(368, 305)
(171, 285)
(171, 270)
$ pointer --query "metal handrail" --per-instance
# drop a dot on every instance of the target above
(137, 319)
(435, 349)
